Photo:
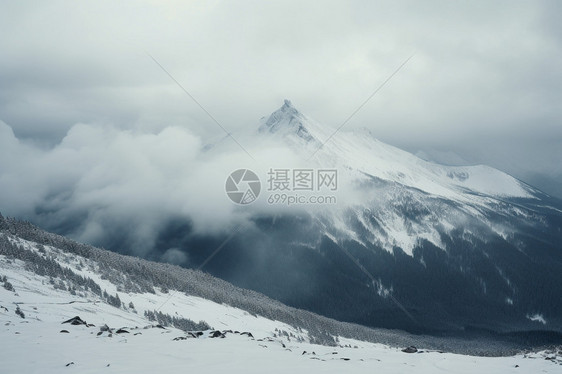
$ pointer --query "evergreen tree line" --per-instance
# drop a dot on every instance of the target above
(181, 323)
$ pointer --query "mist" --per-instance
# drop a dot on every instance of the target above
(128, 189)
(98, 141)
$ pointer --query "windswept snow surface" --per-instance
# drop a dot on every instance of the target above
(36, 343)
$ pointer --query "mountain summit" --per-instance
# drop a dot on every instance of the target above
(360, 151)
(287, 120)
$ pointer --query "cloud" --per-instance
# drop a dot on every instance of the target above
(104, 175)
(125, 188)
(483, 87)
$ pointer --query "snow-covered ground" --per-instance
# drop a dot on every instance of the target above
(35, 344)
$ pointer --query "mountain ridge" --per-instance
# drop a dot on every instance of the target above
(85, 273)
(289, 121)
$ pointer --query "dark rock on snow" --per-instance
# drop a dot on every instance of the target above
(104, 328)
(216, 334)
(75, 321)
(410, 349)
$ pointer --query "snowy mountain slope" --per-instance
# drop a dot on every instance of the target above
(122, 339)
(180, 297)
(403, 182)
(361, 151)
(33, 346)
(460, 247)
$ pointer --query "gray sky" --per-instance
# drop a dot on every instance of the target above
(484, 86)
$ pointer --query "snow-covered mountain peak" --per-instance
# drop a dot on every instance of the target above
(404, 190)
(287, 120)
(361, 151)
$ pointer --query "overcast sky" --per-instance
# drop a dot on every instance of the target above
(484, 85)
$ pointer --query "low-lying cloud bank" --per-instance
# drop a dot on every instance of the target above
(102, 184)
